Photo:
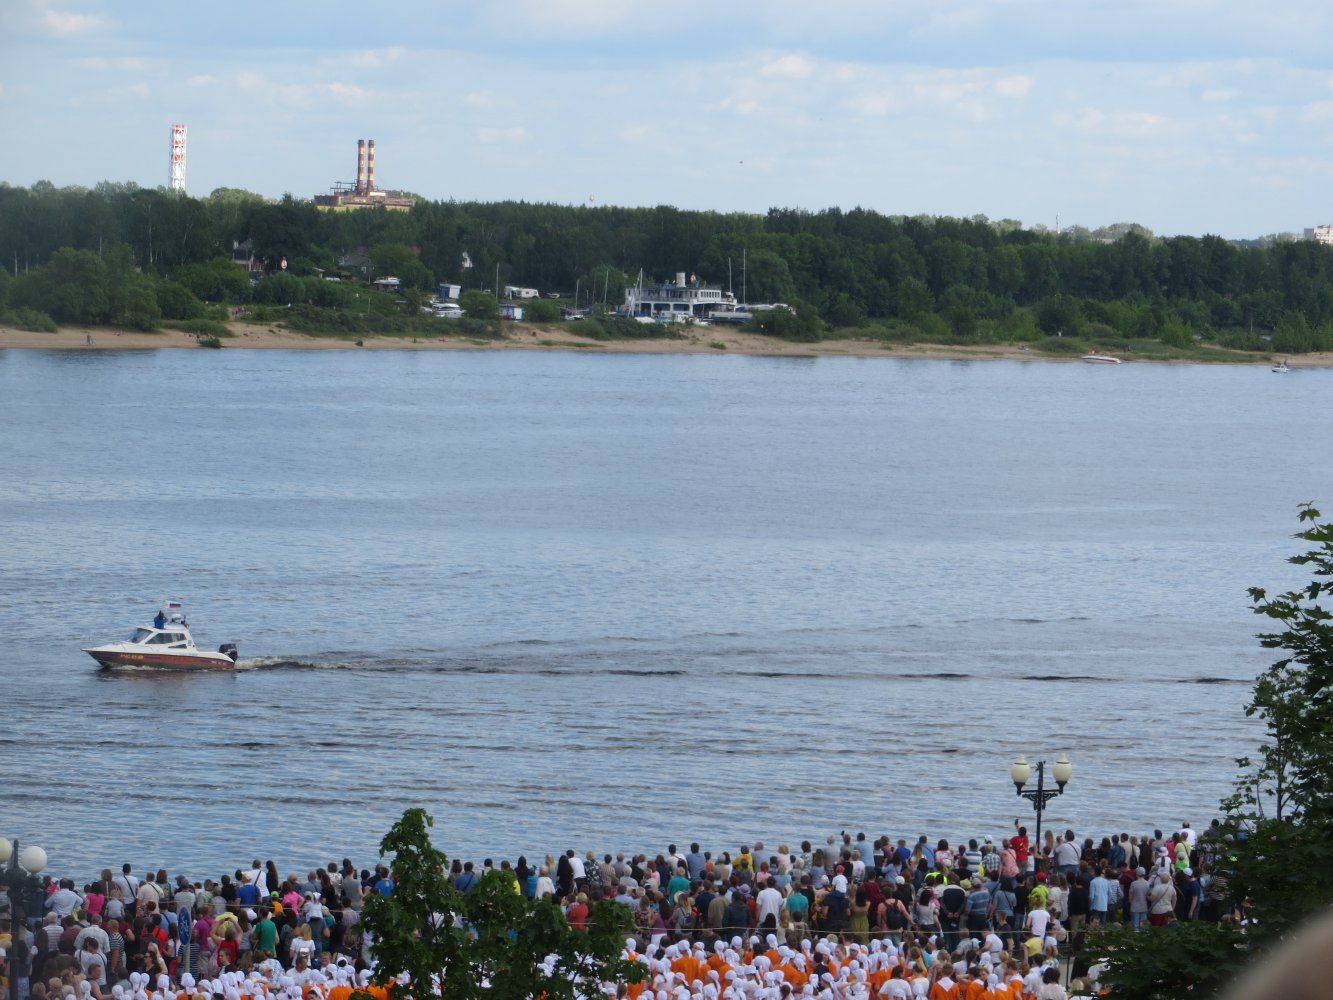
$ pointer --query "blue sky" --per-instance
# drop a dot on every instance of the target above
(1186, 116)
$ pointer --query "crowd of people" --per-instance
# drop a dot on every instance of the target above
(849, 919)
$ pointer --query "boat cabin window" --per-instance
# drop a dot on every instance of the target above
(166, 638)
(141, 635)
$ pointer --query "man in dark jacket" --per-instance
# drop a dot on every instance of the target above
(953, 900)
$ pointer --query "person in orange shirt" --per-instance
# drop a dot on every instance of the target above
(718, 961)
(945, 988)
(793, 971)
(632, 990)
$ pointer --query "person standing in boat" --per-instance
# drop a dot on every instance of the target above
(161, 620)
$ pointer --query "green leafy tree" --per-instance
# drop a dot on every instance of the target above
(914, 299)
(1059, 314)
(215, 280)
(768, 278)
(177, 302)
(491, 942)
(605, 284)
(542, 311)
(1285, 865)
(1176, 334)
(131, 295)
(1295, 765)
(1292, 334)
(73, 288)
(135, 303)
(800, 323)
(479, 305)
(1194, 959)
(401, 261)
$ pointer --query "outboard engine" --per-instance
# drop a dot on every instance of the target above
(228, 649)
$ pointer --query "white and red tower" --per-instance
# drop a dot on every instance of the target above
(176, 180)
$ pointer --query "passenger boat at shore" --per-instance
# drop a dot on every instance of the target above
(1281, 366)
(1102, 359)
(166, 644)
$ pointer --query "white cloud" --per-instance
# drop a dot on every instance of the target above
(1120, 124)
(740, 105)
(789, 67)
(1014, 86)
(634, 133)
(874, 105)
(349, 93)
(63, 23)
(478, 99)
(202, 80)
(1317, 111)
(376, 58)
(138, 89)
(1217, 95)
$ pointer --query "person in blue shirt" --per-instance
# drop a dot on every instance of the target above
(1099, 899)
(247, 893)
(695, 862)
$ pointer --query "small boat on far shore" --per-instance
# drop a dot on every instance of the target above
(166, 644)
(1093, 357)
(1281, 366)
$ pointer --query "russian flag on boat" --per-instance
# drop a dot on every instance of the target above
(173, 605)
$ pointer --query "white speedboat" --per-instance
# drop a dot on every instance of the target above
(166, 644)
(1101, 359)
(1281, 366)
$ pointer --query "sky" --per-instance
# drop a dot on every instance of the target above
(1188, 117)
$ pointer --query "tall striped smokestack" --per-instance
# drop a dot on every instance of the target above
(361, 166)
(370, 167)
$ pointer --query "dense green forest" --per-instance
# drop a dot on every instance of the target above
(123, 254)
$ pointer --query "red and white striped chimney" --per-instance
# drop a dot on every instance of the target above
(361, 166)
(370, 166)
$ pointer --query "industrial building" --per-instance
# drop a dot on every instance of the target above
(347, 196)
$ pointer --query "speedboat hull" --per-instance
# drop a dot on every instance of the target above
(122, 655)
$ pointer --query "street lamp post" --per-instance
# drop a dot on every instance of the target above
(1021, 770)
(20, 876)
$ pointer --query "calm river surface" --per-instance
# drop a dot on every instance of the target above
(610, 601)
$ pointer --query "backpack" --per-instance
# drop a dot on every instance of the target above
(895, 919)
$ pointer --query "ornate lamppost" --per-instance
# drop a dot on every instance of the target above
(20, 882)
(1021, 770)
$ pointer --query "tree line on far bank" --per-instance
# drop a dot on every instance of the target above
(166, 256)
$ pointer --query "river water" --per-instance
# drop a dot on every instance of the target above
(610, 601)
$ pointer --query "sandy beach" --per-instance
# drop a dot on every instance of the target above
(525, 336)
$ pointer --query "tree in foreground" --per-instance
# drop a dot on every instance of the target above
(1195, 959)
(1276, 856)
(490, 943)
(1285, 865)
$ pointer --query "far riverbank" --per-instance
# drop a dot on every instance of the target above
(524, 336)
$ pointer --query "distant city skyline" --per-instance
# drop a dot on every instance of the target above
(1185, 116)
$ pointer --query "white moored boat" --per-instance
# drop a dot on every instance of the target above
(166, 644)
(1104, 359)
(1281, 366)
